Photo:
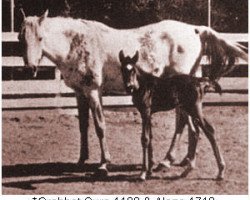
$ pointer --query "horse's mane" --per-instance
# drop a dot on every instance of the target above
(62, 24)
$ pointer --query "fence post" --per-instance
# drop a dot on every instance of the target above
(58, 94)
(12, 6)
(209, 13)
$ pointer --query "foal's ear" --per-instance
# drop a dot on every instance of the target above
(136, 57)
(121, 56)
(44, 16)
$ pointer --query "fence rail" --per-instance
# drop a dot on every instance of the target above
(39, 94)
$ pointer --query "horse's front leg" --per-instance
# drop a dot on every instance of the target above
(193, 137)
(100, 127)
(190, 160)
(83, 113)
(146, 145)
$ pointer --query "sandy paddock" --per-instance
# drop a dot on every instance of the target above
(41, 147)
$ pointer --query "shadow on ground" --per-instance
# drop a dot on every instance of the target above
(53, 169)
(64, 173)
(71, 173)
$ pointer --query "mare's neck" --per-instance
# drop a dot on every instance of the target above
(57, 38)
(146, 81)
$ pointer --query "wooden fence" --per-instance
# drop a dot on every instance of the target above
(52, 92)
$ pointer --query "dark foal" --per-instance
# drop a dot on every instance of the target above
(151, 94)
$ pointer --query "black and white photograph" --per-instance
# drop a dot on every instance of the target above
(125, 97)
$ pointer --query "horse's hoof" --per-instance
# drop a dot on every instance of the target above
(185, 173)
(102, 170)
(220, 177)
(187, 170)
(80, 163)
(221, 173)
(162, 167)
(170, 158)
(184, 162)
(149, 174)
(143, 176)
(101, 173)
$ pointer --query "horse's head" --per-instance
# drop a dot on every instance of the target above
(129, 71)
(31, 38)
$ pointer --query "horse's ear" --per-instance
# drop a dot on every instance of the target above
(23, 13)
(44, 16)
(121, 56)
(136, 57)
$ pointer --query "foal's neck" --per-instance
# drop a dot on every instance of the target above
(146, 81)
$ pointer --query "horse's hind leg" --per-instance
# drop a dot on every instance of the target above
(100, 126)
(83, 113)
(181, 121)
(209, 131)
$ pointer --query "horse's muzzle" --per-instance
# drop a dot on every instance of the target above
(33, 70)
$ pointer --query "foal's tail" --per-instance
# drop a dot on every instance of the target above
(211, 86)
(221, 53)
(217, 87)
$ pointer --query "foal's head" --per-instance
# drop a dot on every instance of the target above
(129, 71)
(31, 39)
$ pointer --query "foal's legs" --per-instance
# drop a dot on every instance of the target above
(146, 140)
(193, 137)
(191, 159)
(83, 113)
(181, 121)
(209, 132)
(100, 127)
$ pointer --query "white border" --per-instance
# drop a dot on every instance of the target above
(125, 197)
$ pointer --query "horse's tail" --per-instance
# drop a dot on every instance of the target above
(221, 53)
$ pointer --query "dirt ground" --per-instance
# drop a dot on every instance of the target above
(41, 148)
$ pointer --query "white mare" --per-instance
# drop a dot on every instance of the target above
(86, 53)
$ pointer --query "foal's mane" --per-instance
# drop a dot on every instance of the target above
(145, 78)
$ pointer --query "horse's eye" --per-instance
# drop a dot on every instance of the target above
(40, 39)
